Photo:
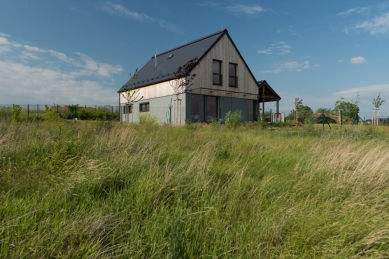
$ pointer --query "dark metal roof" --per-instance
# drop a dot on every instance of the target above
(169, 61)
(270, 95)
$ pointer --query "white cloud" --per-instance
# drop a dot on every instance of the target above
(4, 41)
(293, 66)
(280, 48)
(30, 74)
(377, 25)
(26, 84)
(356, 10)
(244, 9)
(357, 60)
(371, 90)
(119, 10)
(366, 95)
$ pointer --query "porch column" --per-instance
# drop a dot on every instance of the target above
(277, 106)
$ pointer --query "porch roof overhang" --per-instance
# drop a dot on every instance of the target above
(266, 93)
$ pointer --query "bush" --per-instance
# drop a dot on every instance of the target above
(233, 119)
(147, 118)
(17, 110)
(51, 114)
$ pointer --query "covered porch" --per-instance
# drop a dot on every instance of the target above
(266, 94)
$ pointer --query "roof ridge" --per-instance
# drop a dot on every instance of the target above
(189, 43)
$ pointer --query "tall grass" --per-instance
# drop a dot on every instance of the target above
(91, 189)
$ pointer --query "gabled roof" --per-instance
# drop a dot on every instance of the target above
(169, 61)
(270, 95)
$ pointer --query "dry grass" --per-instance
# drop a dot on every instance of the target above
(104, 190)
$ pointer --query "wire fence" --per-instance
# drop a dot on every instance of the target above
(31, 112)
(34, 112)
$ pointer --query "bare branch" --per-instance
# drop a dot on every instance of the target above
(182, 78)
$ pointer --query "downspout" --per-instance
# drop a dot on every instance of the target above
(120, 110)
(263, 103)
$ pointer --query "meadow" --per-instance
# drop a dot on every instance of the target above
(100, 189)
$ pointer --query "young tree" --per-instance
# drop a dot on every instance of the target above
(349, 110)
(181, 82)
(132, 96)
(182, 78)
(304, 112)
(377, 102)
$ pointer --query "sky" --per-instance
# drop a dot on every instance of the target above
(82, 52)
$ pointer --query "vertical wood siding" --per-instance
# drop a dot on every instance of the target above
(225, 51)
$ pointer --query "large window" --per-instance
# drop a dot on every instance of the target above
(210, 108)
(233, 79)
(144, 107)
(197, 107)
(217, 72)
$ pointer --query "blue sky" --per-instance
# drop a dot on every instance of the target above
(70, 52)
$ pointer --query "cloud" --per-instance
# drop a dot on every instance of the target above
(366, 94)
(357, 60)
(119, 10)
(29, 74)
(356, 10)
(377, 25)
(27, 84)
(293, 66)
(4, 44)
(280, 48)
(238, 9)
(371, 90)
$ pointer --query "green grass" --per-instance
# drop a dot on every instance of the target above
(110, 190)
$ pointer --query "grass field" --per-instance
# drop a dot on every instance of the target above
(108, 190)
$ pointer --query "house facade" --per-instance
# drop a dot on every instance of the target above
(223, 82)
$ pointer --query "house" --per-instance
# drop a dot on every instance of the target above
(218, 81)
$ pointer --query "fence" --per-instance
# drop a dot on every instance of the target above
(29, 112)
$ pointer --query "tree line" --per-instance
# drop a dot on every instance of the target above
(350, 110)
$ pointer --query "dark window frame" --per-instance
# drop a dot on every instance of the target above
(220, 75)
(232, 77)
(144, 107)
(128, 108)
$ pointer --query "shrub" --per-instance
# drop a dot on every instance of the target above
(147, 118)
(233, 119)
(17, 110)
(51, 114)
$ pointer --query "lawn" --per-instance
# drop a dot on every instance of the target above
(99, 189)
